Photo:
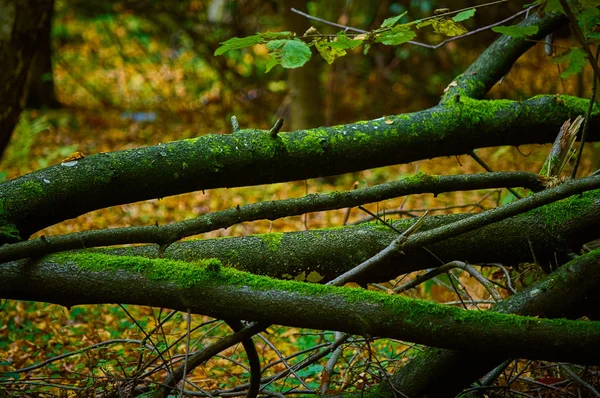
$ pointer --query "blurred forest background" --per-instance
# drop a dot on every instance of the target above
(114, 75)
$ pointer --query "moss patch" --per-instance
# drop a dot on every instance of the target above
(209, 274)
(272, 240)
(557, 213)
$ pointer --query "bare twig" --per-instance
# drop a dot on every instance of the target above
(586, 122)
(575, 377)
(393, 249)
(445, 268)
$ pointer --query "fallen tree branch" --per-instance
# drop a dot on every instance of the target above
(209, 289)
(42, 198)
(550, 233)
(167, 234)
(454, 371)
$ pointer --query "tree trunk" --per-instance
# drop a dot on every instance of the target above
(41, 90)
(306, 92)
(23, 24)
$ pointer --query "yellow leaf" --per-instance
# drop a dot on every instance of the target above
(448, 27)
(74, 156)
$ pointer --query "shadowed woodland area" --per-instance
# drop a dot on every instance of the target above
(303, 198)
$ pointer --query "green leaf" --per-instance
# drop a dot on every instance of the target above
(553, 6)
(344, 43)
(236, 43)
(288, 53)
(516, 31)
(576, 58)
(327, 51)
(392, 21)
(463, 16)
(397, 35)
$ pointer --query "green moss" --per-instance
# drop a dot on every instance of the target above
(362, 138)
(209, 273)
(9, 233)
(421, 177)
(32, 189)
(181, 273)
(272, 240)
(557, 213)
(580, 105)
(314, 140)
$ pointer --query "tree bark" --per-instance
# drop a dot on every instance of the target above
(41, 90)
(40, 199)
(23, 24)
(210, 289)
(568, 292)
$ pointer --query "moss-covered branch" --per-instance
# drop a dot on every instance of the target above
(497, 60)
(207, 288)
(167, 234)
(553, 232)
(444, 373)
(60, 192)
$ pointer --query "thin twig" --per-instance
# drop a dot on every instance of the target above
(586, 122)
(487, 168)
(394, 248)
(416, 43)
(575, 377)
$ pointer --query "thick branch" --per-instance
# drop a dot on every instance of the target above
(570, 291)
(167, 234)
(553, 231)
(497, 60)
(209, 289)
(60, 192)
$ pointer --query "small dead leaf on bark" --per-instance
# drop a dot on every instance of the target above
(74, 156)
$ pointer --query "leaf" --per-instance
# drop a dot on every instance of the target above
(552, 6)
(344, 43)
(392, 21)
(577, 60)
(448, 27)
(444, 26)
(236, 43)
(397, 35)
(288, 53)
(463, 16)
(327, 51)
(516, 31)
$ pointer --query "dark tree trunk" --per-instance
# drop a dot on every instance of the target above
(306, 105)
(41, 90)
(23, 24)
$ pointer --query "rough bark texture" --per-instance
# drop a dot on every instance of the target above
(45, 197)
(210, 289)
(23, 23)
(41, 90)
(568, 292)
(554, 231)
